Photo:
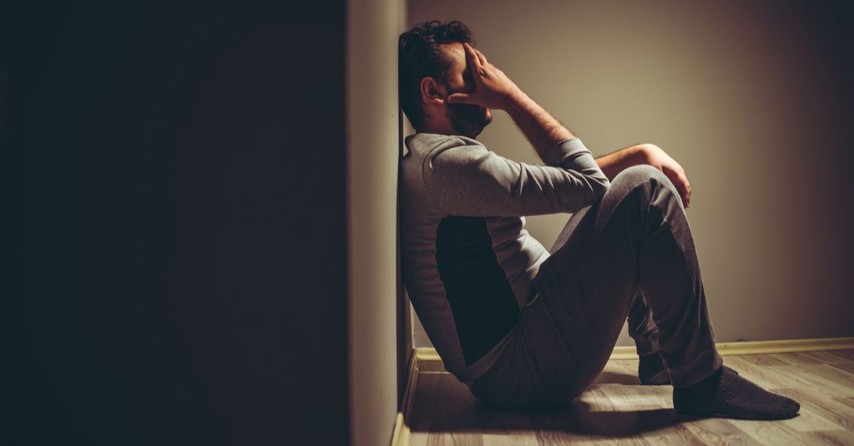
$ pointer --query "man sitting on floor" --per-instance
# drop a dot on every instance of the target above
(521, 326)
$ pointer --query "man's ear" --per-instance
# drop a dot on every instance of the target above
(430, 91)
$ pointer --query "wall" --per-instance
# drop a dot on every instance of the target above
(373, 140)
(753, 98)
(173, 185)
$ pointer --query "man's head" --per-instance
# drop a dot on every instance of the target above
(432, 66)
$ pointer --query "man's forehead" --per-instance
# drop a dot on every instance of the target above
(456, 52)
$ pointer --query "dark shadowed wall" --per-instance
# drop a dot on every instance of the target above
(174, 223)
(754, 98)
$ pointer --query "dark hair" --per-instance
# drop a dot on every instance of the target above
(419, 56)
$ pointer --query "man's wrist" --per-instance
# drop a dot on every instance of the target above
(516, 101)
(648, 154)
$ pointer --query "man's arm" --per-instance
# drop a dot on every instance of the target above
(570, 180)
(614, 163)
(493, 89)
(464, 178)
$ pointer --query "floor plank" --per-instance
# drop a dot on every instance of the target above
(616, 410)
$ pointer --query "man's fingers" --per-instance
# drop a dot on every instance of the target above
(474, 60)
(687, 193)
(477, 60)
(684, 190)
(680, 182)
(460, 98)
(480, 57)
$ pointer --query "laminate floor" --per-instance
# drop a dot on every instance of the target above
(616, 410)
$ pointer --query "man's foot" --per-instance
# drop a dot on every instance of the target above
(651, 370)
(726, 394)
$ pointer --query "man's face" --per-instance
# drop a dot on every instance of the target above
(467, 119)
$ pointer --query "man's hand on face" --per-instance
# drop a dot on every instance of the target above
(492, 88)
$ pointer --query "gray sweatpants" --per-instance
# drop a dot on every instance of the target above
(631, 255)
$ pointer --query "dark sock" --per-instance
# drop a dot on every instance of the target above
(726, 394)
(651, 370)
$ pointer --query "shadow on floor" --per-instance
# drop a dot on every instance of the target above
(443, 404)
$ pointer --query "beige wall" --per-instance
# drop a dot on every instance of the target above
(372, 148)
(748, 96)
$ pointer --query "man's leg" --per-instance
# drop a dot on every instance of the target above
(635, 239)
(643, 330)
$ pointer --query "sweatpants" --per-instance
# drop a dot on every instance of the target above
(629, 256)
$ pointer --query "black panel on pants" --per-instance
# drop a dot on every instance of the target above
(482, 301)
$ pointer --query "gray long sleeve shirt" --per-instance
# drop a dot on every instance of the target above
(467, 260)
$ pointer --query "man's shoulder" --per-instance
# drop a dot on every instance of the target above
(425, 144)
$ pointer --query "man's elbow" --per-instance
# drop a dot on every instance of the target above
(599, 184)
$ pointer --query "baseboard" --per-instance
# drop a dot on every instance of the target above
(759, 347)
(724, 348)
(402, 434)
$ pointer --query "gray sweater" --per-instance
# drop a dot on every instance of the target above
(467, 260)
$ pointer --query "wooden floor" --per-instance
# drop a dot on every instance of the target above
(617, 411)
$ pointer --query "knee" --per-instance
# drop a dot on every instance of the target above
(639, 175)
(650, 182)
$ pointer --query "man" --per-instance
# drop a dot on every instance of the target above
(521, 326)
